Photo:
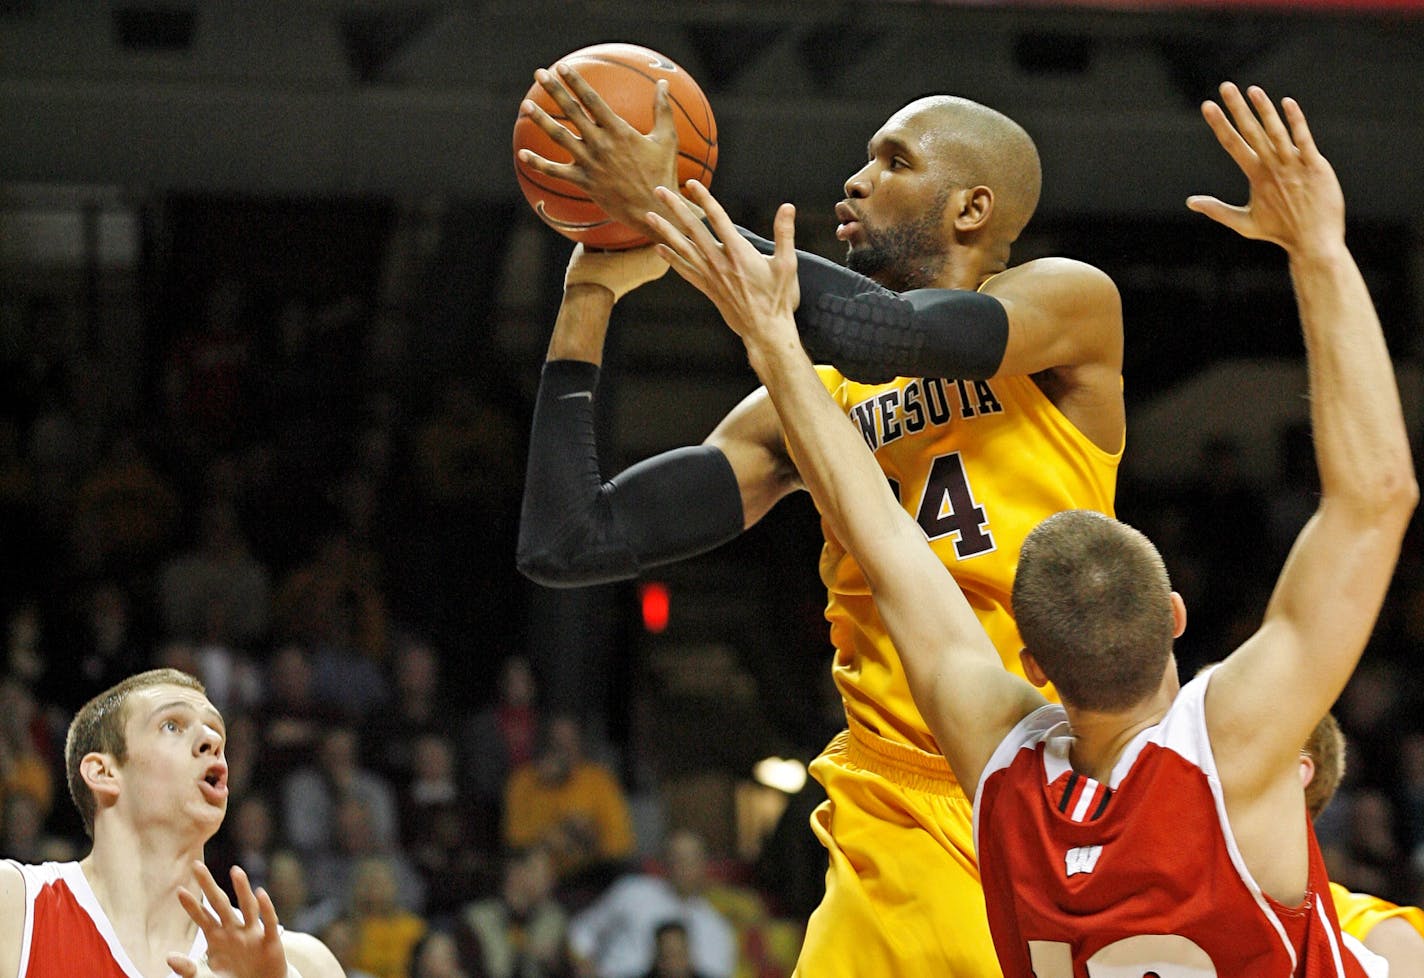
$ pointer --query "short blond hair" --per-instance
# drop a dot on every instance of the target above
(1326, 749)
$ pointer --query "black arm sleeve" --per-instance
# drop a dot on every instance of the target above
(873, 335)
(576, 529)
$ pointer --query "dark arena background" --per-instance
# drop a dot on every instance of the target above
(272, 321)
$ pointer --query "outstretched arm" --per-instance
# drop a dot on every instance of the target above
(1269, 694)
(955, 673)
(575, 527)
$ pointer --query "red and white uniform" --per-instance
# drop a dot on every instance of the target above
(1148, 859)
(66, 931)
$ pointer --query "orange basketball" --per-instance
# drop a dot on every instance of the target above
(626, 76)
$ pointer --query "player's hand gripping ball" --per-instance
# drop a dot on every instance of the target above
(626, 77)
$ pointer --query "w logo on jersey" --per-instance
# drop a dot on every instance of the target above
(1082, 859)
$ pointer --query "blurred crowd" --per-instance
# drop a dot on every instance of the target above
(278, 507)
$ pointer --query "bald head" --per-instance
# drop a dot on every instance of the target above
(980, 147)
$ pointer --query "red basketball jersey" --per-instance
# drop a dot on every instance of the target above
(1139, 876)
(66, 931)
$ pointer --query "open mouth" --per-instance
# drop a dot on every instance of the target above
(215, 781)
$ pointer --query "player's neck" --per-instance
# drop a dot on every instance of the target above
(135, 878)
(1100, 738)
(968, 267)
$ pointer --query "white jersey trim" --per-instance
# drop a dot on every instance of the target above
(72, 875)
(1026, 734)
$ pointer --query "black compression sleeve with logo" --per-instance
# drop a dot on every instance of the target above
(577, 529)
(873, 335)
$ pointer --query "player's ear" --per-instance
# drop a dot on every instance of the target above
(1307, 769)
(101, 774)
(1179, 615)
(1032, 670)
(975, 207)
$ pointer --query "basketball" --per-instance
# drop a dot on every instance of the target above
(626, 77)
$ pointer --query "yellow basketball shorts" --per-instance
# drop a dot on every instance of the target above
(903, 896)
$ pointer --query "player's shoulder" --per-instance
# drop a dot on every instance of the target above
(12, 917)
(309, 956)
(1057, 271)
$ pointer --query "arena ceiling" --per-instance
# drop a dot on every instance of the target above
(309, 97)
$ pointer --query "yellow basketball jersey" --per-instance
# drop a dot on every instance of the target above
(979, 464)
(1360, 912)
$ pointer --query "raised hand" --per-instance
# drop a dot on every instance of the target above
(245, 945)
(615, 164)
(1295, 198)
(755, 294)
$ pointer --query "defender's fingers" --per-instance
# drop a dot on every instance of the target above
(716, 216)
(676, 262)
(217, 899)
(1245, 119)
(1228, 137)
(592, 102)
(571, 108)
(676, 237)
(686, 221)
(246, 903)
(784, 233)
(1223, 213)
(182, 965)
(266, 910)
(1275, 129)
(198, 911)
(1300, 130)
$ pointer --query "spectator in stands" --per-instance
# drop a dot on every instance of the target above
(333, 604)
(419, 707)
(521, 931)
(437, 956)
(616, 936)
(287, 886)
(312, 794)
(248, 839)
(673, 955)
(217, 591)
(569, 803)
(331, 873)
(501, 737)
(292, 716)
(386, 931)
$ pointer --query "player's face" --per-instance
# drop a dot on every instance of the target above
(894, 216)
(176, 771)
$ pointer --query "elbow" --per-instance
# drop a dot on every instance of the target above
(1389, 497)
(546, 568)
(1398, 490)
(558, 563)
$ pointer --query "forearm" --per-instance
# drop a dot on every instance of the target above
(830, 455)
(582, 324)
(1362, 446)
(872, 334)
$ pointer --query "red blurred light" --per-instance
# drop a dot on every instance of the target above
(655, 601)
